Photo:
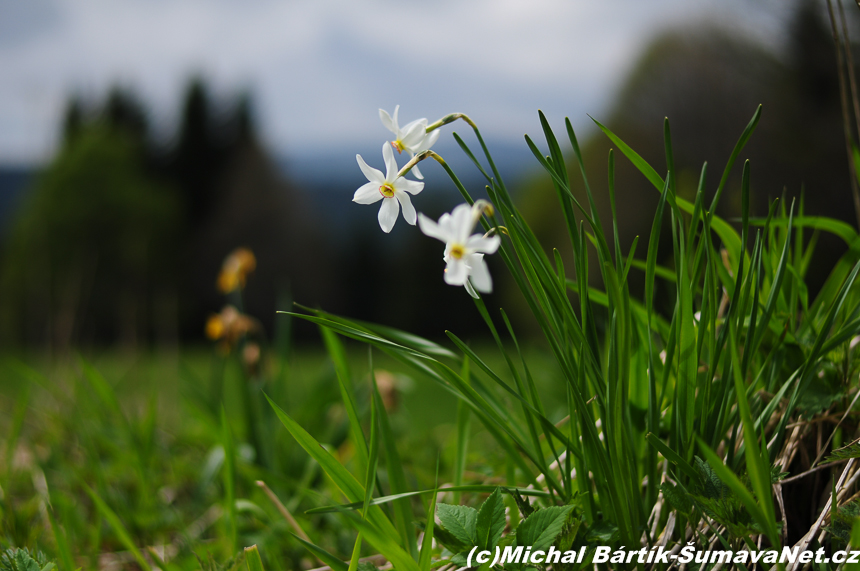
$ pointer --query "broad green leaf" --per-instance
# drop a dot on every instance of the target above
(540, 529)
(460, 521)
(23, 561)
(490, 520)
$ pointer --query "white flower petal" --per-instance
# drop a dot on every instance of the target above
(480, 273)
(372, 174)
(367, 194)
(456, 273)
(477, 243)
(387, 121)
(429, 140)
(430, 228)
(461, 222)
(413, 137)
(411, 124)
(394, 119)
(410, 186)
(445, 223)
(390, 162)
(406, 204)
(417, 173)
(388, 214)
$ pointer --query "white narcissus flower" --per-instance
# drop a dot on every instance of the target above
(464, 253)
(412, 138)
(389, 188)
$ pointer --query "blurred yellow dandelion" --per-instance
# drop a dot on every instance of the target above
(214, 327)
(235, 270)
(229, 326)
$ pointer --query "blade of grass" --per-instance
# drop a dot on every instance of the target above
(740, 491)
(403, 516)
(463, 430)
(344, 380)
(252, 558)
(323, 555)
(427, 542)
(229, 473)
(341, 477)
(727, 234)
(61, 541)
(474, 488)
(117, 526)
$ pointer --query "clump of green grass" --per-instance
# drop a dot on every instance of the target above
(729, 420)
(631, 428)
(683, 427)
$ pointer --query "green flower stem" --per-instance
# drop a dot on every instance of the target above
(450, 118)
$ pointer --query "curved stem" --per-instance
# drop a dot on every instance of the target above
(450, 118)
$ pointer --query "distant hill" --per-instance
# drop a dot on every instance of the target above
(330, 177)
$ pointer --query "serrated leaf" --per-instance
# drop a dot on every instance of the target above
(845, 453)
(449, 540)
(603, 532)
(460, 559)
(569, 530)
(542, 527)
(461, 521)
(677, 498)
(491, 520)
(710, 484)
(24, 562)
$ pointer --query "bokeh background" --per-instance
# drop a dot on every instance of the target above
(141, 142)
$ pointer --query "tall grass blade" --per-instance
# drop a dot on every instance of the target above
(344, 381)
(403, 516)
(118, 527)
(252, 558)
(464, 424)
(229, 473)
(323, 555)
(341, 477)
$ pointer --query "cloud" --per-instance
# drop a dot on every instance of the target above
(319, 70)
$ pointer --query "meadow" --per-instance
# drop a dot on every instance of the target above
(727, 421)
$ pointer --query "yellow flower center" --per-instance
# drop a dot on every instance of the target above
(386, 190)
(398, 146)
(457, 252)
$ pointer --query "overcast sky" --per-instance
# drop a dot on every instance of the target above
(319, 70)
